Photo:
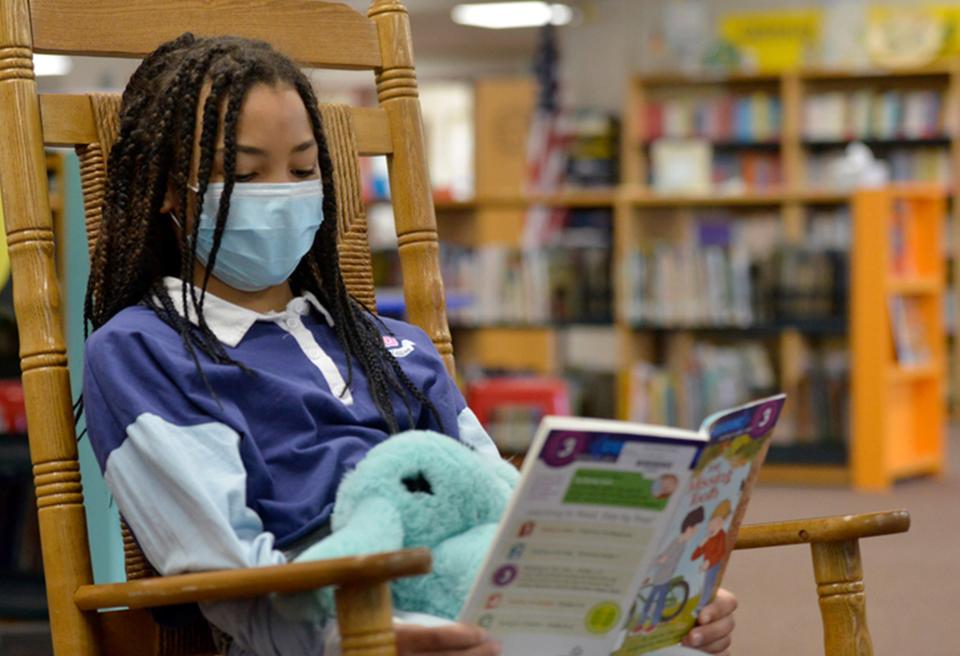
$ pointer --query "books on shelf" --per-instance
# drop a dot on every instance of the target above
(511, 286)
(681, 166)
(829, 228)
(709, 377)
(821, 400)
(803, 285)
(568, 281)
(906, 164)
(909, 331)
(592, 157)
(735, 272)
(741, 171)
(715, 373)
(873, 114)
(734, 118)
(696, 166)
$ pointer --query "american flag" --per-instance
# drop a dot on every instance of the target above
(547, 144)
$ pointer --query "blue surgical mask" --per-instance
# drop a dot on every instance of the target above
(270, 227)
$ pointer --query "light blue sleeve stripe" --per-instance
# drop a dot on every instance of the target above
(182, 490)
(474, 435)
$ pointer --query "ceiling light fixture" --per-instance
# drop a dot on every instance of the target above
(503, 15)
(44, 65)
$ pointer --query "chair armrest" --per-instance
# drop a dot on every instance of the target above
(253, 582)
(823, 529)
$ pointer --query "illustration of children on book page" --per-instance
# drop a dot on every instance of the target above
(664, 594)
(712, 551)
(695, 547)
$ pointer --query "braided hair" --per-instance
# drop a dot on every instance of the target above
(138, 246)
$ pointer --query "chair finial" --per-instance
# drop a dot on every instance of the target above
(378, 7)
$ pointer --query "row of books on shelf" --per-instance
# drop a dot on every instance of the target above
(736, 273)
(511, 286)
(821, 400)
(746, 118)
(713, 376)
(593, 149)
(698, 166)
(906, 164)
(910, 340)
(706, 379)
(873, 114)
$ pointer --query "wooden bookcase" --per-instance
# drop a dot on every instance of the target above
(897, 336)
(495, 217)
(642, 214)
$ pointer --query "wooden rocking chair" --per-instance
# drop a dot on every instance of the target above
(317, 34)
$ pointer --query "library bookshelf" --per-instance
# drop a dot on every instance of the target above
(897, 336)
(779, 133)
(494, 217)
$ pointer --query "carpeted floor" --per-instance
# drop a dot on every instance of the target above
(912, 580)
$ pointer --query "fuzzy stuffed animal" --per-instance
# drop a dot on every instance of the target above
(421, 489)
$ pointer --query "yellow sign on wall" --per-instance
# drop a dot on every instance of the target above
(774, 41)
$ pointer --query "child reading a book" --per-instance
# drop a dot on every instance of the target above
(230, 380)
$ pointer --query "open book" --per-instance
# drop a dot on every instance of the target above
(618, 533)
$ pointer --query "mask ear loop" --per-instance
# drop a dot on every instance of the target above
(195, 189)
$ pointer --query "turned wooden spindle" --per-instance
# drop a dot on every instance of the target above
(46, 382)
(843, 606)
(365, 617)
(409, 180)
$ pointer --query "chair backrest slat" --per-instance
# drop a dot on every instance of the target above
(68, 120)
(317, 34)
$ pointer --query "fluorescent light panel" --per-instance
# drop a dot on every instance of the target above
(44, 65)
(503, 15)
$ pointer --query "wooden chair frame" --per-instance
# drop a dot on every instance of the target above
(379, 42)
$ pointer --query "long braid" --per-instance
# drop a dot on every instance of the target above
(138, 246)
(357, 321)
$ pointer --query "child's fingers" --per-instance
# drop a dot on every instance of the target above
(715, 625)
(725, 603)
(713, 638)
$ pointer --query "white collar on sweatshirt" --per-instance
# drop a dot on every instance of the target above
(230, 323)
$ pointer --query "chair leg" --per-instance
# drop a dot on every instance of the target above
(839, 575)
(365, 619)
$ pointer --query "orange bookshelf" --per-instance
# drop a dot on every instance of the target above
(898, 356)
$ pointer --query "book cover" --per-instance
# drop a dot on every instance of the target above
(578, 564)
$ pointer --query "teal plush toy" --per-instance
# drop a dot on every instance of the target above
(421, 489)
